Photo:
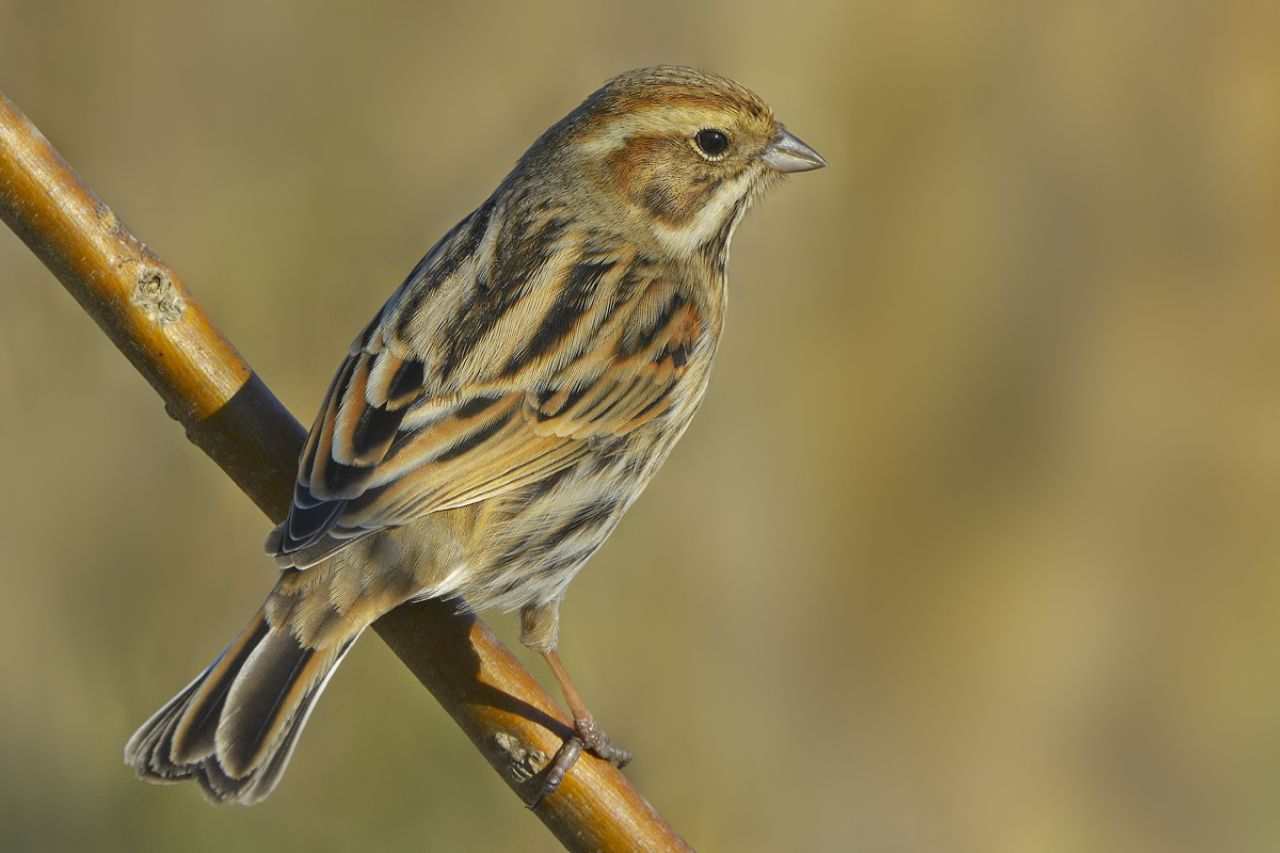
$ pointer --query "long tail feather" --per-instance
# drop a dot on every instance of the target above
(234, 728)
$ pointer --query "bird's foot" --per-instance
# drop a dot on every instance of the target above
(587, 735)
(597, 743)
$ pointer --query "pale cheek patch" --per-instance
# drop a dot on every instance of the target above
(687, 238)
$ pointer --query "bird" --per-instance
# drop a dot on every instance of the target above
(492, 423)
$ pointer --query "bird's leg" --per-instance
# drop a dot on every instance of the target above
(539, 630)
(595, 740)
(586, 735)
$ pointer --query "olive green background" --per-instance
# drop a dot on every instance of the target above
(973, 547)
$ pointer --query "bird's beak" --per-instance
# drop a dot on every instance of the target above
(788, 154)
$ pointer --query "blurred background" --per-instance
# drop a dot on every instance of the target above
(974, 546)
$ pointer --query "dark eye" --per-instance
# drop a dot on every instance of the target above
(712, 142)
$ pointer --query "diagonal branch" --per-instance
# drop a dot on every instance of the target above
(230, 414)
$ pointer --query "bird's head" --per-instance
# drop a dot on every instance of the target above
(683, 150)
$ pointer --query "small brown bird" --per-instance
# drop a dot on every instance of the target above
(492, 424)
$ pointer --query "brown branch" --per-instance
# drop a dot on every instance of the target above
(230, 414)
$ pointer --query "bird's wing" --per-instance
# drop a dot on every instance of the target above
(585, 346)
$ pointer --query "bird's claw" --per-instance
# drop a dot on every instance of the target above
(597, 743)
(587, 735)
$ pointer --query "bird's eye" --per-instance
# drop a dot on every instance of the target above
(711, 142)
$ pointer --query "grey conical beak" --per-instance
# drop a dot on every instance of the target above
(788, 154)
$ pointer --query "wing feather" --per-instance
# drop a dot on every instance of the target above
(596, 354)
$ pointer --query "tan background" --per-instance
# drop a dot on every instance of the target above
(973, 548)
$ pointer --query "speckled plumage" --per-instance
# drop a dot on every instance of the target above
(495, 420)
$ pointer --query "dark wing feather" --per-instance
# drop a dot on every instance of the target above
(356, 427)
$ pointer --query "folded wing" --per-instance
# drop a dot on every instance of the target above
(588, 345)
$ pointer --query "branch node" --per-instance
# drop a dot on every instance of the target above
(156, 294)
(525, 763)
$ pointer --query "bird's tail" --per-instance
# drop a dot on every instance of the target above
(234, 728)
